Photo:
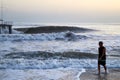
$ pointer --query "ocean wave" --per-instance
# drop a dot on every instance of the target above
(52, 29)
(43, 64)
(54, 63)
(69, 36)
(47, 60)
(46, 55)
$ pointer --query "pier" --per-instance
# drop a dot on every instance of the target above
(5, 27)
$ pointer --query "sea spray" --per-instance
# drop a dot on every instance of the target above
(69, 36)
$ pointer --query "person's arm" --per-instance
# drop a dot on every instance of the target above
(98, 54)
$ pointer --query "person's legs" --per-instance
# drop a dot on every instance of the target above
(98, 68)
(105, 68)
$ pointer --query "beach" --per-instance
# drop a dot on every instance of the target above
(91, 74)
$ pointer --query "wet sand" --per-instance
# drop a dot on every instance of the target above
(91, 74)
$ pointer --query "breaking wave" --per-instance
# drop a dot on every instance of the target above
(46, 55)
(69, 36)
(47, 60)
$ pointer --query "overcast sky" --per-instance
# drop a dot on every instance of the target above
(62, 11)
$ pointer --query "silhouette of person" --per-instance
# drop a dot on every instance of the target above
(102, 57)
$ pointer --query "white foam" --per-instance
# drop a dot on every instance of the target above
(41, 37)
(34, 74)
(54, 63)
(78, 76)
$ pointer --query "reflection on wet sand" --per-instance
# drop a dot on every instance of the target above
(91, 74)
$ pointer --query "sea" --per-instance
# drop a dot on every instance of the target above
(42, 56)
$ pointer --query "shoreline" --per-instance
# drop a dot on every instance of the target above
(38, 74)
(59, 74)
(91, 74)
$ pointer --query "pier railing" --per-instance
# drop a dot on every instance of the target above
(6, 22)
(5, 27)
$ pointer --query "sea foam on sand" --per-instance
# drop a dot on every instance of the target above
(35, 74)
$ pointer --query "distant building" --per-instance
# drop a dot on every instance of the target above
(5, 27)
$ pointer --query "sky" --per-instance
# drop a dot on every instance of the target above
(62, 11)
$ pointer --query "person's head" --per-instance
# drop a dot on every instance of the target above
(100, 43)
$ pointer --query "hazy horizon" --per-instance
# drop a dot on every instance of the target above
(62, 11)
